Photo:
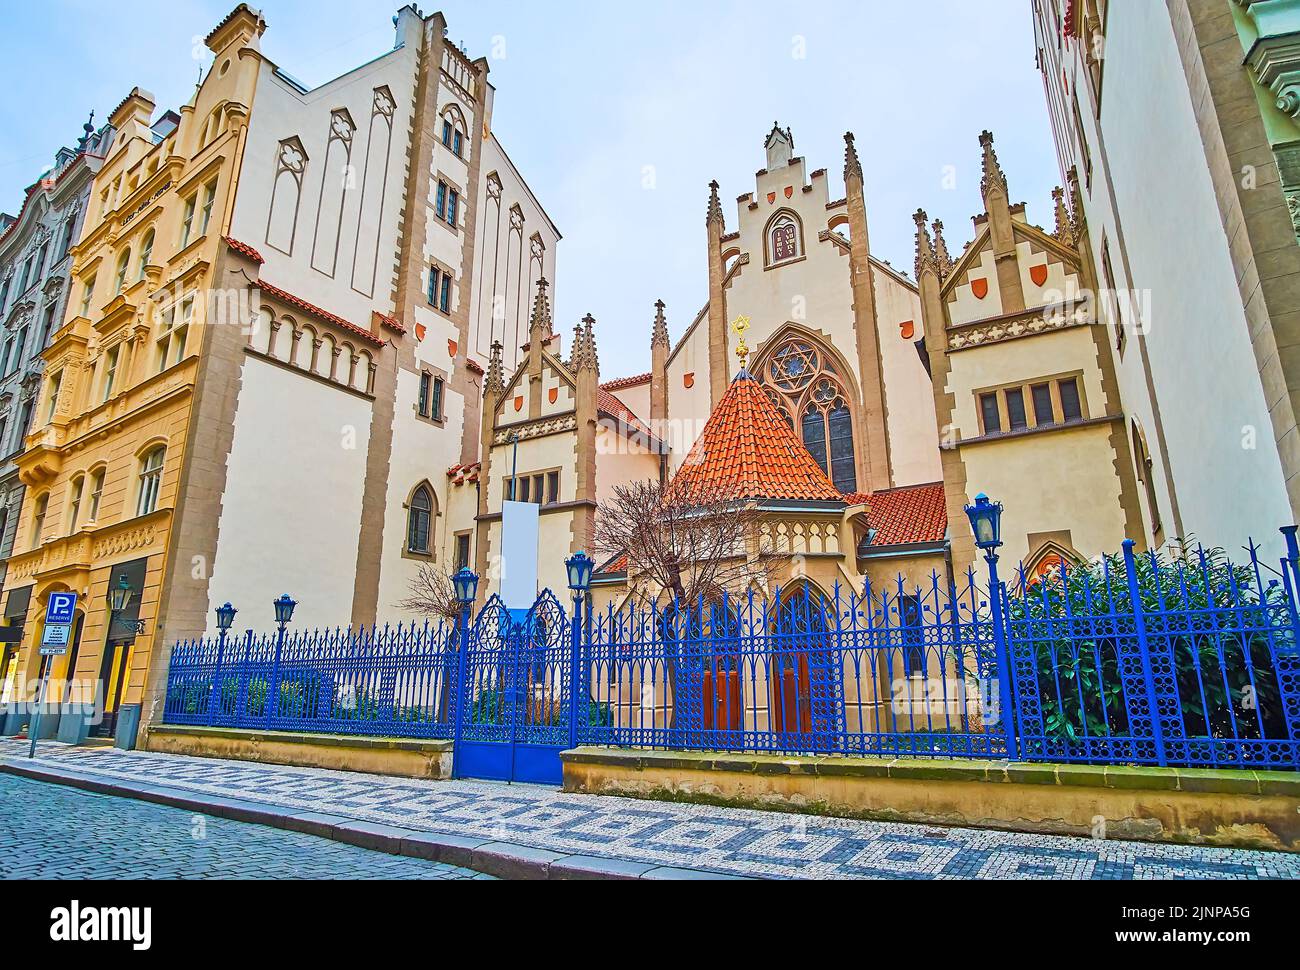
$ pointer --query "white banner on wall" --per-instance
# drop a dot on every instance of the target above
(519, 539)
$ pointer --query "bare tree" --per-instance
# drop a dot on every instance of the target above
(432, 594)
(695, 548)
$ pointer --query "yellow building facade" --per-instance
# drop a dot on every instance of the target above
(112, 434)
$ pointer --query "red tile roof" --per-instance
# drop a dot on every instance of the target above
(391, 322)
(747, 451)
(461, 474)
(244, 250)
(475, 366)
(305, 307)
(908, 515)
(622, 382)
(610, 406)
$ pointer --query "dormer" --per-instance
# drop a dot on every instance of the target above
(136, 109)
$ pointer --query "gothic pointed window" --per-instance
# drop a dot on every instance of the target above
(784, 240)
(801, 379)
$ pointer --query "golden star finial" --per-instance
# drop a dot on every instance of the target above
(741, 327)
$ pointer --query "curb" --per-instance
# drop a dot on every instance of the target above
(505, 860)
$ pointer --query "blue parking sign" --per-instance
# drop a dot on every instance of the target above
(61, 608)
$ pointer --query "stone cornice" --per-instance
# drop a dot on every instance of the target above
(980, 333)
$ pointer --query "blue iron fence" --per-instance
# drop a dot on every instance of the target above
(385, 681)
(1135, 659)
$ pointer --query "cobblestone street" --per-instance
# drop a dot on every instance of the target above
(52, 832)
(649, 839)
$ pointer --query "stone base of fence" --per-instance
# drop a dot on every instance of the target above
(399, 757)
(1241, 809)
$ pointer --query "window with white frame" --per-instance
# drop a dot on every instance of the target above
(110, 371)
(187, 221)
(146, 254)
(96, 493)
(209, 198)
(123, 264)
(74, 502)
(151, 469)
(56, 384)
(176, 327)
(87, 294)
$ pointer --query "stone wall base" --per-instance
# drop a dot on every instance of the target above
(399, 757)
(1242, 809)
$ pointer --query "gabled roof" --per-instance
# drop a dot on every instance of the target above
(747, 451)
(625, 382)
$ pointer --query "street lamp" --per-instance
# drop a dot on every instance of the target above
(119, 596)
(225, 618)
(284, 607)
(986, 522)
(466, 585)
(579, 566)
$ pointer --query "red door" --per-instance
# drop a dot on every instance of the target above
(722, 702)
(791, 694)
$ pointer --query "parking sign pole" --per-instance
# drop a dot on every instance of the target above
(34, 728)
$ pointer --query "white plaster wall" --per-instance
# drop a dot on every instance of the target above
(291, 512)
(280, 111)
(503, 259)
(1202, 363)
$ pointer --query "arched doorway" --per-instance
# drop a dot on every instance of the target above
(803, 675)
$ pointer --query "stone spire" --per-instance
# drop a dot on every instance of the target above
(1077, 224)
(942, 259)
(659, 333)
(715, 206)
(1064, 230)
(852, 166)
(926, 259)
(541, 320)
(495, 381)
(584, 353)
(994, 177)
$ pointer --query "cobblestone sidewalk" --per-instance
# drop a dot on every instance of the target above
(740, 842)
(116, 838)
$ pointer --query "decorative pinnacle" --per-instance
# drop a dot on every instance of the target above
(1064, 231)
(495, 382)
(1076, 203)
(715, 205)
(740, 327)
(584, 353)
(942, 259)
(659, 334)
(925, 257)
(852, 166)
(541, 310)
(994, 177)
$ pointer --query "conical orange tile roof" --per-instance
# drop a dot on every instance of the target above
(747, 451)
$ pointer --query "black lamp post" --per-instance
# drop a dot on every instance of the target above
(284, 607)
(579, 567)
(225, 619)
(986, 522)
(119, 598)
(465, 585)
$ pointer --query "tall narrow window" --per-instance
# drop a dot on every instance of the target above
(1016, 420)
(146, 254)
(1043, 414)
(1111, 299)
(446, 132)
(844, 475)
(814, 435)
(47, 326)
(151, 469)
(444, 294)
(419, 522)
(87, 294)
(56, 385)
(110, 371)
(911, 619)
(435, 405)
(187, 221)
(426, 387)
(1071, 409)
(453, 200)
(74, 502)
(552, 487)
(433, 285)
(462, 551)
(458, 143)
(209, 197)
(38, 519)
(4, 295)
(123, 264)
(96, 493)
(989, 411)
(441, 204)
(176, 327)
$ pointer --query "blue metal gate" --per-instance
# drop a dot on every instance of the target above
(513, 694)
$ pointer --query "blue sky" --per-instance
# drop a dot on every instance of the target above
(591, 92)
